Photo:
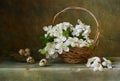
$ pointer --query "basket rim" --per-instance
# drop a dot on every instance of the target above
(96, 38)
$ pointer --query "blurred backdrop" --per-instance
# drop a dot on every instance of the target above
(21, 22)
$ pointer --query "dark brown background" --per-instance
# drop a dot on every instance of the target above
(21, 22)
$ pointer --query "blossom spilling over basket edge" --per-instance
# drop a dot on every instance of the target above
(70, 42)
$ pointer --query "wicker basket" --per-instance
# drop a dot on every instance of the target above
(77, 54)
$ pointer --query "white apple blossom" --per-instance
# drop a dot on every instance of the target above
(63, 26)
(86, 28)
(82, 43)
(97, 65)
(66, 25)
(56, 33)
(60, 39)
(90, 41)
(45, 28)
(92, 60)
(87, 31)
(71, 41)
(61, 47)
(50, 30)
(80, 23)
(107, 63)
(59, 27)
(77, 30)
(81, 28)
(50, 48)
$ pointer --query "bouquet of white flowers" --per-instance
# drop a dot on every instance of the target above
(64, 38)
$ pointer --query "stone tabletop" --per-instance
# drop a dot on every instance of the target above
(14, 71)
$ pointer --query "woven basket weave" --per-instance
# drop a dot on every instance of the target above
(77, 54)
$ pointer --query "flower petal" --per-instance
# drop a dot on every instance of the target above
(66, 49)
(45, 28)
(60, 51)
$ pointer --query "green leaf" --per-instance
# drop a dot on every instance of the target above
(70, 46)
(81, 37)
(44, 40)
(111, 59)
(50, 39)
(43, 51)
(91, 46)
(47, 39)
(66, 33)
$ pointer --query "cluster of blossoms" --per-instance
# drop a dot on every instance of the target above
(63, 36)
(97, 65)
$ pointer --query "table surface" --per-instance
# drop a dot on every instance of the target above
(15, 71)
(13, 65)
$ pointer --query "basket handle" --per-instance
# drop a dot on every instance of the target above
(80, 8)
